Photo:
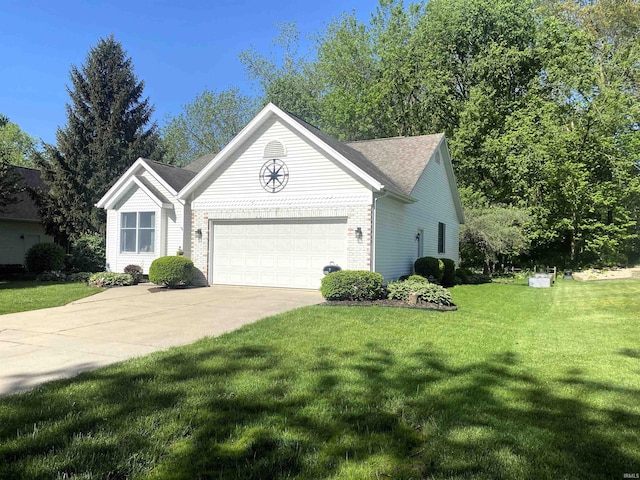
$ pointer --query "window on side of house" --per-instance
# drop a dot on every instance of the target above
(137, 232)
(442, 232)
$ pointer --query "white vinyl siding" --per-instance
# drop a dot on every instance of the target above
(311, 173)
(134, 201)
(396, 247)
(276, 253)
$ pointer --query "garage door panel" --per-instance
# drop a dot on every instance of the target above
(288, 253)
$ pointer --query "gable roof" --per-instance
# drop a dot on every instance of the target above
(348, 157)
(401, 158)
(25, 208)
(171, 177)
(199, 163)
(176, 177)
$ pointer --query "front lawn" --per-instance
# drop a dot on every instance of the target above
(28, 295)
(519, 383)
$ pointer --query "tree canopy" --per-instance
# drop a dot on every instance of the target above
(108, 128)
(206, 125)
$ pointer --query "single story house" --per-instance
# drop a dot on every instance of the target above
(282, 200)
(20, 223)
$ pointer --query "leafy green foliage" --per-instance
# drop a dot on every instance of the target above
(88, 253)
(136, 273)
(110, 279)
(106, 132)
(429, 267)
(352, 285)
(206, 125)
(51, 276)
(171, 271)
(463, 274)
(44, 257)
(16, 146)
(493, 234)
(423, 290)
(79, 277)
(448, 272)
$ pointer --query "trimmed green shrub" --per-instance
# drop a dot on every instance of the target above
(79, 277)
(448, 272)
(110, 279)
(88, 253)
(135, 271)
(171, 271)
(463, 274)
(44, 257)
(426, 292)
(478, 279)
(352, 285)
(429, 267)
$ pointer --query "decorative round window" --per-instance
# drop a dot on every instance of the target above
(274, 175)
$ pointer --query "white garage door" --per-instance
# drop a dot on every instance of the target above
(276, 253)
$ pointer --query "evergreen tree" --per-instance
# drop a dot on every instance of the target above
(108, 128)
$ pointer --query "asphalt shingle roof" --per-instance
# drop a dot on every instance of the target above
(199, 163)
(403, 159)
(396, 163)
(25, 208)
(176, 177)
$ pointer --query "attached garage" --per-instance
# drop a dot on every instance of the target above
(275, 253)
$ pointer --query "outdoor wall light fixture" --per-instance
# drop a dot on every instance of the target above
(199, 233)
(418, 237)
(358, 232)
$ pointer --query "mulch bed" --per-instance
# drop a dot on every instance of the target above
(390, 303)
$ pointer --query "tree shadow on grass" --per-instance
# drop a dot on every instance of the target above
(253, 411)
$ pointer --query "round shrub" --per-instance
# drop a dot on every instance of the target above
(352, 285)
(429, 267)
(171, 271)
(44, 257)
(135, 271)
(448, 272)
(88, 253)
(463, 274)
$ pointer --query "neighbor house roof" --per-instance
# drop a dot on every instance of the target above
(25, 208)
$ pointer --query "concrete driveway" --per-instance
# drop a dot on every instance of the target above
(126, 322)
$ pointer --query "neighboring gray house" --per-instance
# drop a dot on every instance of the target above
(20, 223)
(283, 199)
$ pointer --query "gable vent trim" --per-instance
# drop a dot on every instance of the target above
(274, 149)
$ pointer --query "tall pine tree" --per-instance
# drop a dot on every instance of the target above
(108, 128)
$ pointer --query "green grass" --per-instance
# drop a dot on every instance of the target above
(23, 296)
(519, 383)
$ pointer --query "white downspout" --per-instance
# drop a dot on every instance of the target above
(374, 219)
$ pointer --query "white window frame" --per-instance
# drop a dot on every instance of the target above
(137, 230)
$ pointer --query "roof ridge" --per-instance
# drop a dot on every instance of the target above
(398, 137)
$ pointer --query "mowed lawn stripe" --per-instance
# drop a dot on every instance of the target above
(518, 383)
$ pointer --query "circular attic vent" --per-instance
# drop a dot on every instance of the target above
(274, 149)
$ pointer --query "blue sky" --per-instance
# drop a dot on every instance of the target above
(178, 48)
